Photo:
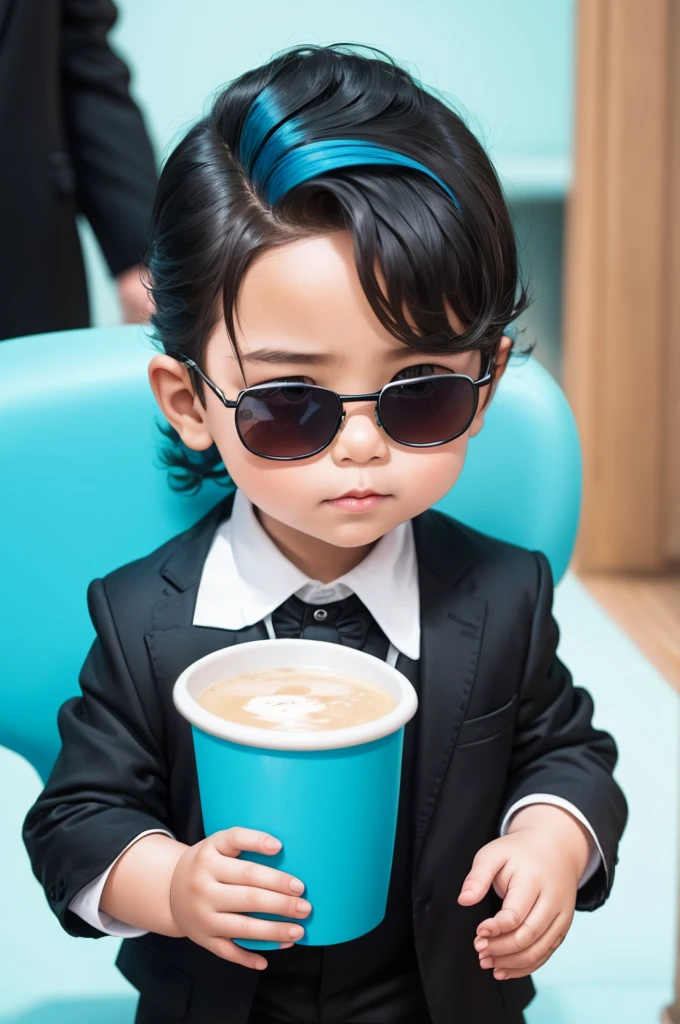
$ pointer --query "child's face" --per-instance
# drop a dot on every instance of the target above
(305, 302)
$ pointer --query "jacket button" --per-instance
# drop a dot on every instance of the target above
(61, 889)
(51, 893)
(422, 905)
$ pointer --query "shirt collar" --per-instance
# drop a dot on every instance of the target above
(245, 577)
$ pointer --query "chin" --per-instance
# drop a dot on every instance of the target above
(355, 534)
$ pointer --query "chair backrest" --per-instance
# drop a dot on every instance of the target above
(83, 493)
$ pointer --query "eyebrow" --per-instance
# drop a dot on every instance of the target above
(277, 356)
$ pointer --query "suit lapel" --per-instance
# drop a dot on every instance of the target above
(174, 642)
(184, 565)
(175, 648)
(452, 621)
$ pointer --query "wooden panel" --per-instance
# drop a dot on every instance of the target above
(616, 281)
(671, 449)
(583, 256)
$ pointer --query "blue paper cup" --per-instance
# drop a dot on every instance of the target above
(331, 797)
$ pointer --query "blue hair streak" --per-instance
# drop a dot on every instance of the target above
(277, 160)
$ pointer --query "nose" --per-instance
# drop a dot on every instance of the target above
(360, 438)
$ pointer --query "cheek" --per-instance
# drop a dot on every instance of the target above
(287, 491)
(429, 473)
(278, 488)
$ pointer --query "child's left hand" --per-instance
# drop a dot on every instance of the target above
(535, 868)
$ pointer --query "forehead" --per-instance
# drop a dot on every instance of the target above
(308, 294)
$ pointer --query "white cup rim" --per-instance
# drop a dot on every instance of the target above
(396, 684)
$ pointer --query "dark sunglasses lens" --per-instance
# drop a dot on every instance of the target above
(287, 421)
(428, 411)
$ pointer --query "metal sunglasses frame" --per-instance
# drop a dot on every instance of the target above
(374, 396)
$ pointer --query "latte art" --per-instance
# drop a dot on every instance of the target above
(281, 708)
(296, 700)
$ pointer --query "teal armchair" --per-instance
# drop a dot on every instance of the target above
(84, 492)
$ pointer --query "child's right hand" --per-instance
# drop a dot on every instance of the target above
(212, 890)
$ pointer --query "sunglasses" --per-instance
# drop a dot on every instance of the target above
(288, 420)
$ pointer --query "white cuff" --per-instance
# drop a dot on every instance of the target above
(85, 903)
(596, 856)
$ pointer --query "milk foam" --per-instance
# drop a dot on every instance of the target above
(284, 708)
(296, 700)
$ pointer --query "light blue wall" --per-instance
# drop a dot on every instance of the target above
(506, 66)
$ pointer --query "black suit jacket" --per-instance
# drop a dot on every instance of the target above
(499, 719)
(72, 140)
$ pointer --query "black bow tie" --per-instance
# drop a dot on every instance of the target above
(339, 622)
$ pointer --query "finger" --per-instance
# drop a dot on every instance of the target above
(228, 950)
(238, 926)
(520, 897)
(538, 953)
(528, 958)
(489, 927)
(537, 922)
(231, 842)
(486, 865)
(243, 899)
(243, 872)
(520, 972)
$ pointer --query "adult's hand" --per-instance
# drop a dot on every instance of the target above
(136, 302)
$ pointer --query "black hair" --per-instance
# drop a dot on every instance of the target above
(210, 221)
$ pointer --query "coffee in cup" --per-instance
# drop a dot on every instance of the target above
(296, 699)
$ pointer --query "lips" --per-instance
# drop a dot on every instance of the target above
(359, 494)
(358, 501)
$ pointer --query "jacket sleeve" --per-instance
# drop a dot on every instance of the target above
(558, 751)
(108, 783)
(115, 170)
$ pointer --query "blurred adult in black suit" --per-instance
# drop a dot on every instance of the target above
(73, 141)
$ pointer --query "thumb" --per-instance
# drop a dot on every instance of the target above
(486, 865)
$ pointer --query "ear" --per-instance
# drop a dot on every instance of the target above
(500, 363)
(172, 387)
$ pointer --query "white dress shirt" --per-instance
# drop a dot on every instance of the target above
(246, 577)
